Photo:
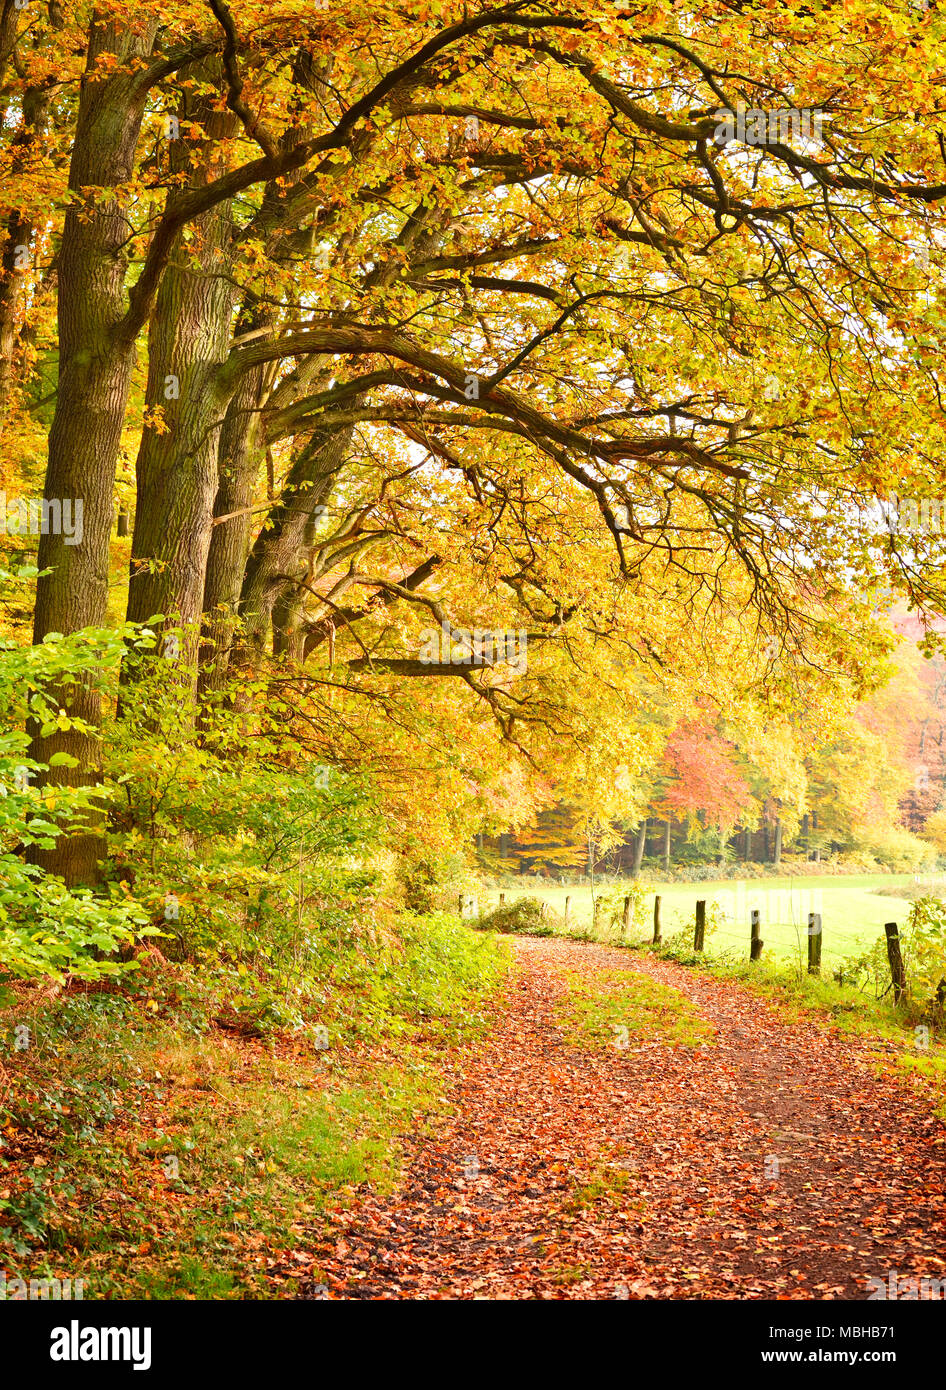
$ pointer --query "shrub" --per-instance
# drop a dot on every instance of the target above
(925, 947)
(46, 930)
(610, 907)
(525, 916)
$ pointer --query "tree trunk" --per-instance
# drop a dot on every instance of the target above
(95, 365)
(189, 340)
(639, 846)
(288, 635)
(666, 844)
(778, 842)
(239, 454)
(19, 235)
(273, 569)
(243, 440)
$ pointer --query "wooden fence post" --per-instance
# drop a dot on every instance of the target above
(940, 998)
(756, 943)
(897, 972)
(502, 899)
(460, 904)
(627, 916)
(700, 928)
(657, 920)
(567, 905)
(814, 943)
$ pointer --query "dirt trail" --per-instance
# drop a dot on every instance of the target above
(490, 1207)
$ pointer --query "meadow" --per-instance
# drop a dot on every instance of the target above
(852, 910)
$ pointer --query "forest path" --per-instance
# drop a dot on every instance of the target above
(778, 1160)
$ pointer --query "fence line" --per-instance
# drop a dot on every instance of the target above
(468, 905)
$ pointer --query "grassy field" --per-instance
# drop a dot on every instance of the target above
(852, 912)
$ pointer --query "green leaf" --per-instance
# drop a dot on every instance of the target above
(63, 760)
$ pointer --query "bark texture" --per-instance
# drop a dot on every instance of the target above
(95, 365)
(188, 342)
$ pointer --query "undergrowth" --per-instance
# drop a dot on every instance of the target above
(178, 1137)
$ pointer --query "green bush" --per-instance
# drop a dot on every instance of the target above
(525, 916)
(925, 947)
(46, 930)
(609, 908)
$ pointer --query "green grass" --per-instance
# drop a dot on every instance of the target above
(262, 1141)
(852, 914)
(253, 1185)
(622, 1009)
